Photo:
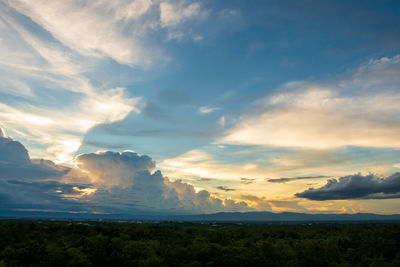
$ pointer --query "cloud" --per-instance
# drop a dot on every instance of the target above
(15, 163)
(57, 64)
(114, 168)
(247, 180)
(205, 179)
(175, 14)
(275, 205)
(116, 182)
(35, 184)
(60, 99)
(172, 14)
(128, 183)
(356, 187)
(358, 110)
(53, 195)
(200, 164)
(61, 131)
(284, 180)
(225, 188)
(130, 179)
(91, 28)
(258, 203)
(205, 110)
(12, 151)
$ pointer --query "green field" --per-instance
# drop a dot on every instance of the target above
(46, 243)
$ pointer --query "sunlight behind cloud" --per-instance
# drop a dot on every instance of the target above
(57, 60)
(327, 116)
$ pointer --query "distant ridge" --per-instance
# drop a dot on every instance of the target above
(215, 217)
(286, 217)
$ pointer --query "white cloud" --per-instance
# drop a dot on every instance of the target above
(361, 110)
(61, 129)
(205, 110)
(172, 14)
(60, 104)
(93, 28)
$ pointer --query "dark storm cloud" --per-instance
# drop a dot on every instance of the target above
(356, 187)
(284, 179)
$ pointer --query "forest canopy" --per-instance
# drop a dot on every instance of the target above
(46, 243)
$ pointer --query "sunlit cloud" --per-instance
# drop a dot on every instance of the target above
(90, 29)
(117, 182)
(361, 110)
(50, 67)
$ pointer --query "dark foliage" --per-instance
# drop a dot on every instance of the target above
(45, 243)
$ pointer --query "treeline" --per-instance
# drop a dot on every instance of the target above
(45, 243)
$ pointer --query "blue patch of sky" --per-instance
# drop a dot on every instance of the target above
(242, 57)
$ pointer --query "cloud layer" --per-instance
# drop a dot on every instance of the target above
(110, 182)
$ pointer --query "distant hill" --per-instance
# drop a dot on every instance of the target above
(285, 217)
(216, 217)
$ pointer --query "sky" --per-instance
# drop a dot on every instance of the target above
(183, 107)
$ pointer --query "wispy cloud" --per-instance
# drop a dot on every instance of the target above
(225, 188)
(174, 13)
(92, 28)
(247, 180)
(205, 110)
(51, 54)
(284, 180)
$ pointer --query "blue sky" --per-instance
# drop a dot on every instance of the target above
(222, 95)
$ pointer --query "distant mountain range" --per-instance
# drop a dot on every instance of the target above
(286, 217)
(216, 217)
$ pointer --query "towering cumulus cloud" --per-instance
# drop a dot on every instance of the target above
(128, 180)
(110, 182)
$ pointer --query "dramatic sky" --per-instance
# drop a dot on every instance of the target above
(156, 106)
